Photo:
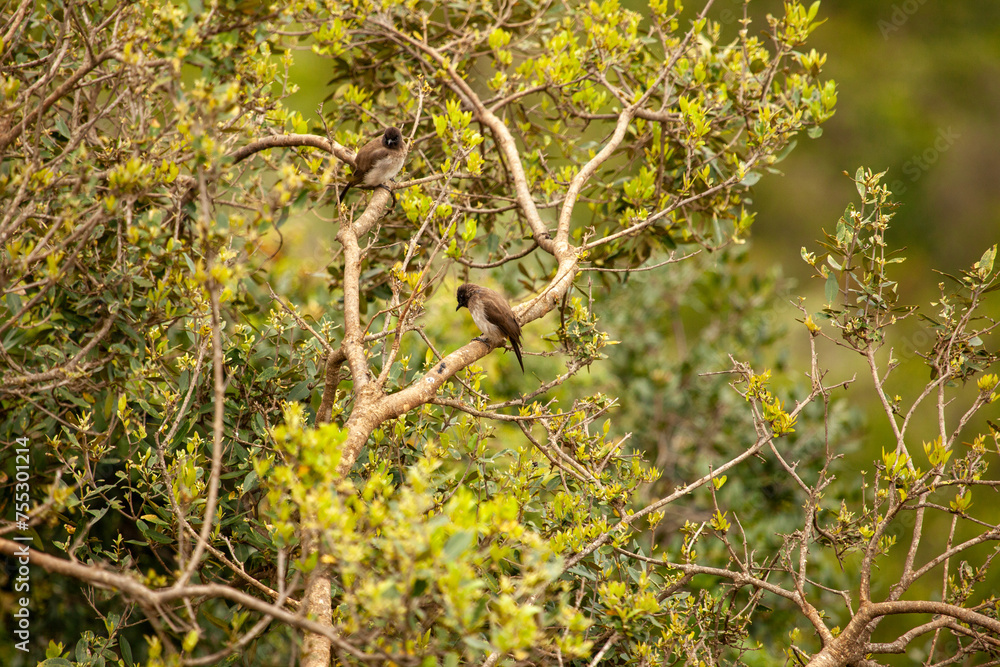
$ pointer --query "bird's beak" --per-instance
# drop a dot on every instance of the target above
(458, 308)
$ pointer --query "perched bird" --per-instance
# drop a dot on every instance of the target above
(492, 315)
(377, 162)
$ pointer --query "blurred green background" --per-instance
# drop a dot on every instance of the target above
(919, 95)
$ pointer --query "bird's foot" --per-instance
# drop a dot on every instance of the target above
(392, 195)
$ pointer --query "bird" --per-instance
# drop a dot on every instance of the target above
(377, 162)
(492, 315)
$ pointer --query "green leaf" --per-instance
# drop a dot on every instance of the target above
(785, 152)
(458, 544)
(269, 373)
(126, 652)
(478, 644)
(250, 481)
(82, 651)
(259, 425)
(985, 265)
(300, 391)
(440, 125)
(583, 572)
(831, 289)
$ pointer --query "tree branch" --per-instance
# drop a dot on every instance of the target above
(154, 598)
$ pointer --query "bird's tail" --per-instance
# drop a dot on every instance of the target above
(517, 351)
(343, 192)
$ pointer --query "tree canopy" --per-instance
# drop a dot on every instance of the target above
(220, 461)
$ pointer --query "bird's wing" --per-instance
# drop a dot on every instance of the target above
(369, 154)
(498, 312)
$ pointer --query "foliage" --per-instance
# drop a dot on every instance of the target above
(221, 489)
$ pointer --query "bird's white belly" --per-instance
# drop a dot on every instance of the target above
(490, 330)
(383, 171)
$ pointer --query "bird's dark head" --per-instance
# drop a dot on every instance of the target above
(464, 294)
(392, 138)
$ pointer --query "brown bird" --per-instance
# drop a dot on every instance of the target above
(377, 162)
(492, 315)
